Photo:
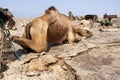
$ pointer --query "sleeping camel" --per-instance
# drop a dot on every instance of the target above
(52, 27)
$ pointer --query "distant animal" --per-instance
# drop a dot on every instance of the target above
(109, 16)
(7, 18)
(79, 18)
(70, 15)
(51, 27)
(92, 17)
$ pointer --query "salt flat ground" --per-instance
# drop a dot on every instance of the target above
(95, 58)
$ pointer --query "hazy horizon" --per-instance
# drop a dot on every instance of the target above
(27, 8)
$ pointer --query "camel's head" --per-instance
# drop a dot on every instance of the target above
(6, 17)
(86, 33)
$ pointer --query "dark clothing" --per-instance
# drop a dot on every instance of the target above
(106, 23)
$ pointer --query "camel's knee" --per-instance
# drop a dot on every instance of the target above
(38, 47)
(14, 38)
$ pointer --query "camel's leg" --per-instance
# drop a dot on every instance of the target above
(17, 38)
(38, 41)
(27, 43)
(71, 36)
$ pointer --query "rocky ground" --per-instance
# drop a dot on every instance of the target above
(95, 58)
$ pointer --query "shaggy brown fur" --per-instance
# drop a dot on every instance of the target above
(52, 27)
(6, 18)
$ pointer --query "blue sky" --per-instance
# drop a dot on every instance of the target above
(35, 8)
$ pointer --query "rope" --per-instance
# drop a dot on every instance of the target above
(14, 50)
(1, 46)
(1, 37)
(7, 34)
(1, 42)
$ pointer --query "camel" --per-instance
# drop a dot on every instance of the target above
(51, 27)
